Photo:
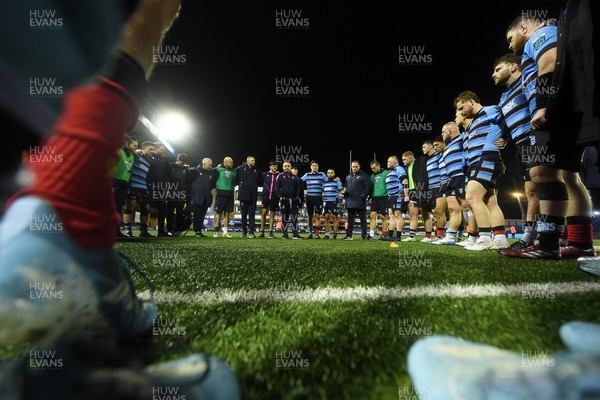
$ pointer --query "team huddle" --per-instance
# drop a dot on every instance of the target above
(452, 186)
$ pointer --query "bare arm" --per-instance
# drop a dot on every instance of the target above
(147, 29)
(546, 64)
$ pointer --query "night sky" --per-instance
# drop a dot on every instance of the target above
(350, 73)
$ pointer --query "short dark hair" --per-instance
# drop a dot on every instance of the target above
(375, 162)
(272, 163)
(183, 157)
(509, 58)
(515, 23)
(438, 139)
(429, 142)
(466, 96)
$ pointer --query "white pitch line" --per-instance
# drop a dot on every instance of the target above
(319, 295)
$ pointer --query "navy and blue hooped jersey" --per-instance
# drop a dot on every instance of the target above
(139, 173)
(331, 190)
(452, 159)
(541, 41)
(515, 109)
(481, 134)
(443, 172)
(433, 170)
(314, 183)
(393, 181)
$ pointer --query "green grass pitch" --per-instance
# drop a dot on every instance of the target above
(316, 344)
(333, 319)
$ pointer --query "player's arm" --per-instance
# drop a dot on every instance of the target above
(501, 142)
(366, 189)
(504, 130)
(344, 191)
(131, 64)
(147, 29)
(300, 192)
(259, 178)
(546, 64)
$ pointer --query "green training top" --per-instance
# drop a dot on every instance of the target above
(123, 167)
(227, 178)
(378, 184)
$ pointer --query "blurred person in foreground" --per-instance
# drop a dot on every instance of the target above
(55, 237)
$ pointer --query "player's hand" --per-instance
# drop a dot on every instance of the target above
(539, 120)
(337, 178)
(500, 143)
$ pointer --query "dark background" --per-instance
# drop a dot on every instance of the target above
(348, 57)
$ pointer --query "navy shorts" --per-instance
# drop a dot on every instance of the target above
(331, 207)
(271, 204)
(379, 205)
(314, 205)
(487, 172)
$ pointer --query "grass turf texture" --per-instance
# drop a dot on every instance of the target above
(345, 349)
(342, 349)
